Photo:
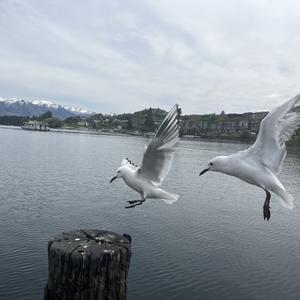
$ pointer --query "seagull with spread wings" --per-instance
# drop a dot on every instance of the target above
(260, 164)
(156, 163)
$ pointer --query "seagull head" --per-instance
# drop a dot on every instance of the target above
(217, 164)
(120, 173)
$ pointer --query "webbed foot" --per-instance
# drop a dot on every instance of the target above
(134, 203)
(267, 212)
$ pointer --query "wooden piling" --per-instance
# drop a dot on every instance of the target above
(88, 265)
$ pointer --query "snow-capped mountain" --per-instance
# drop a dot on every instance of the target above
(45, 103)
(77, 110)
(20, 107)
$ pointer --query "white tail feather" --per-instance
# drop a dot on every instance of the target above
(168, 201)
(286, 199)
(167, 197)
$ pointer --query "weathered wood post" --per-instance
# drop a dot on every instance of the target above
(88, 265)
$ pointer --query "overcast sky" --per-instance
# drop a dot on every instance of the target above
(124, 55)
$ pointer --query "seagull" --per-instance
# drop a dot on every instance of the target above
(261, 163)
(156, 163)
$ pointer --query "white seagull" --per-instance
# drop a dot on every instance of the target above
(156, 163)
(260, 164)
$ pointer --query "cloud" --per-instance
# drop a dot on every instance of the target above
(274, 95)
(119, 56)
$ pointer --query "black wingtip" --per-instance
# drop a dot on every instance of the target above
(131, 163)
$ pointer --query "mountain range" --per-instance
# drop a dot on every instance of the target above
(20, 107)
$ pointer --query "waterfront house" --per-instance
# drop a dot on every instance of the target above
(36, 126)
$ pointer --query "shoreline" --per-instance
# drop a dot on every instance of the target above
(70, 131)
(232, 140)
(93, 132)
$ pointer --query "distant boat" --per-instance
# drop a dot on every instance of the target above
(36, 126)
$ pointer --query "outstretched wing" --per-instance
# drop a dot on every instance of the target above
(275, 130)
(158, 155)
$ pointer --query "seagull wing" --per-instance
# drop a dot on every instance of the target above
(158, 155)
(275, 130)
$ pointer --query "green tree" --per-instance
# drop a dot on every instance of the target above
(55, 123)
(246, 135)
(72, 120)
(46, 115)
(149, 121)
(13, 120)
(129, 125)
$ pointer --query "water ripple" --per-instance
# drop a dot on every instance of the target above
(211, 244)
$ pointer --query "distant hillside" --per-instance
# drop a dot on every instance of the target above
(22, 108)
(146, 120)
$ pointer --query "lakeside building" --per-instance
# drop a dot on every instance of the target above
(36, 126)
(222, 125)
(209, 125)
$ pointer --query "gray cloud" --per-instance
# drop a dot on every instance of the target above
(124, 55)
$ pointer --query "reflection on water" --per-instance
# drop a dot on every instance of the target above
(211, 244)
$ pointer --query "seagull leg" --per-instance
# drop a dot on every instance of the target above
(135, 203)
(266, 207)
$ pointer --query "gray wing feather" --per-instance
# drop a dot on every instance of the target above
(275, 130)
(158, 155)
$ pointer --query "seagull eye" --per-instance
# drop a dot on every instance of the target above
(211, 164)
(118, 172)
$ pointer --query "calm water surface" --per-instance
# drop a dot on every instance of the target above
(211, 244)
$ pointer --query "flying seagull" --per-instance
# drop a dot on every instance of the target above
(156, 163)
(260, 164)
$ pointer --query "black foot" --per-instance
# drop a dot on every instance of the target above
(134, 203)
(266, 207)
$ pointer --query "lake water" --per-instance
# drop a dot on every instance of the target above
(211, 244)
